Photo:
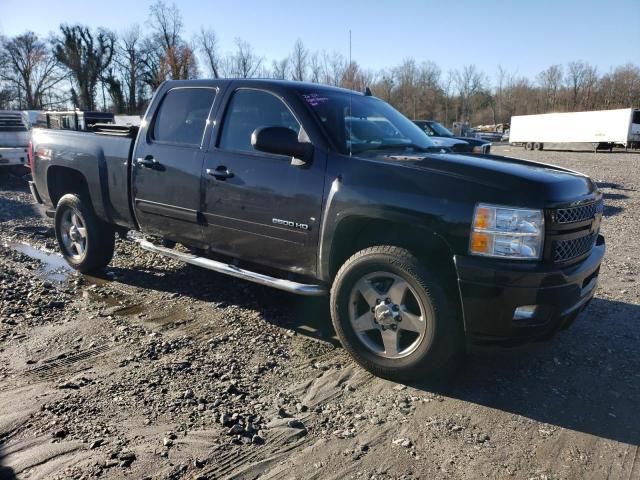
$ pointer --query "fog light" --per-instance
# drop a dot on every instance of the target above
(525, 312)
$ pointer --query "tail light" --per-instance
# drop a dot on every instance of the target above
(30, 155)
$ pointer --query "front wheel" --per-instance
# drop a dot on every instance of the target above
(87, 243)
(393, 316)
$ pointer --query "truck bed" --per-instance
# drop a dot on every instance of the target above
(103, 159)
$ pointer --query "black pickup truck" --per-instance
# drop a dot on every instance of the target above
(306, 188)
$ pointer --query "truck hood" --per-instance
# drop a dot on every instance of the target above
(531, 183)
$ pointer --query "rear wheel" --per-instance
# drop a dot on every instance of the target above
(527, 146)
(538, 146)
(392, 315)
(87, 243)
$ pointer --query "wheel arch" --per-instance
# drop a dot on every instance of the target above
(358, 232)
(63, 180)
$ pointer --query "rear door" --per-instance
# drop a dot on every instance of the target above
(167, 165)
(258, 206)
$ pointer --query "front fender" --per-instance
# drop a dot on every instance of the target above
(344, 205)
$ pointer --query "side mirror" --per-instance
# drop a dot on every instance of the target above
(282, 141)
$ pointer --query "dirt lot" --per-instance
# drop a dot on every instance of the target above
(162, 371)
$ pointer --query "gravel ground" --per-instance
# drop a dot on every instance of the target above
(163, 371)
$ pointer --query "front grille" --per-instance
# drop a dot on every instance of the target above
(579, 213)
(572, 231)
(568, 249)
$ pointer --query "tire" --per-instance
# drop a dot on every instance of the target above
(86, 242)
(413, 355)
(528, 146)
(537, 146)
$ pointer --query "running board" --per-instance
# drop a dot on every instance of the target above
(220, 267)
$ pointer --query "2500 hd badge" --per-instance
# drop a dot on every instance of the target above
(289, 223)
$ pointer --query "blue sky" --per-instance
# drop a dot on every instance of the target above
(524, 37)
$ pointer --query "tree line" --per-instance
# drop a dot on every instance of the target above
(103, 70)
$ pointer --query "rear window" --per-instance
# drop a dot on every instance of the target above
(636, 117)
(12, 122)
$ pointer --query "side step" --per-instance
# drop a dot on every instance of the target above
(220, 267)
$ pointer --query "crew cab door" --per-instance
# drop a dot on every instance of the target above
(167, 165)
(258, 206)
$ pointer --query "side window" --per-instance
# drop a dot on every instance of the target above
(182, 116)
(251, 109)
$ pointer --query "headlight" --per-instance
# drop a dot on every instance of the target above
(507, 232)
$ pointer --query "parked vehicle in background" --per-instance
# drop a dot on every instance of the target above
(601, 129)
(32, 116)
(388, 133)
(317, 190)
(505, 136)
(15, 134)
(73, 120)
(438, 131)
(131, 120)
(489, 136)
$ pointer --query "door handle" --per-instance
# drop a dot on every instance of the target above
(149, 161)
(221, 172)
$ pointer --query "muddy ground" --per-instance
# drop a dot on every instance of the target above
(158, 370)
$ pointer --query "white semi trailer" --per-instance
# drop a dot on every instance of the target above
(597, 129)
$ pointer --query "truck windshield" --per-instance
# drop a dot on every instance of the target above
(357, 123)
(440, 129)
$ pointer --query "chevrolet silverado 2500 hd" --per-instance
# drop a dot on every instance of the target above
(306, 188)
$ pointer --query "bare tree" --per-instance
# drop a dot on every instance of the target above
(130, 62)
(623, 86)
(575, 79)
(114, 87)
(469, 82)
(299, 61)
(245, 63)
(28, 66)
(280, 69)
(386, 86)
(166, 23)
(156, 69)
(406, 75)
(177, 56)
(315, 68)
(334, 67)
(550, 80)
(208, 45)
(589, 85)
(86, 56)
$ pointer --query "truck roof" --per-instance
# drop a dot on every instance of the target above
(291, 84)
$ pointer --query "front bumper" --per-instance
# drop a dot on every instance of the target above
(11, 157)
(491, 290)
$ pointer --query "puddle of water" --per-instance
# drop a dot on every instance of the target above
(53, 266)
